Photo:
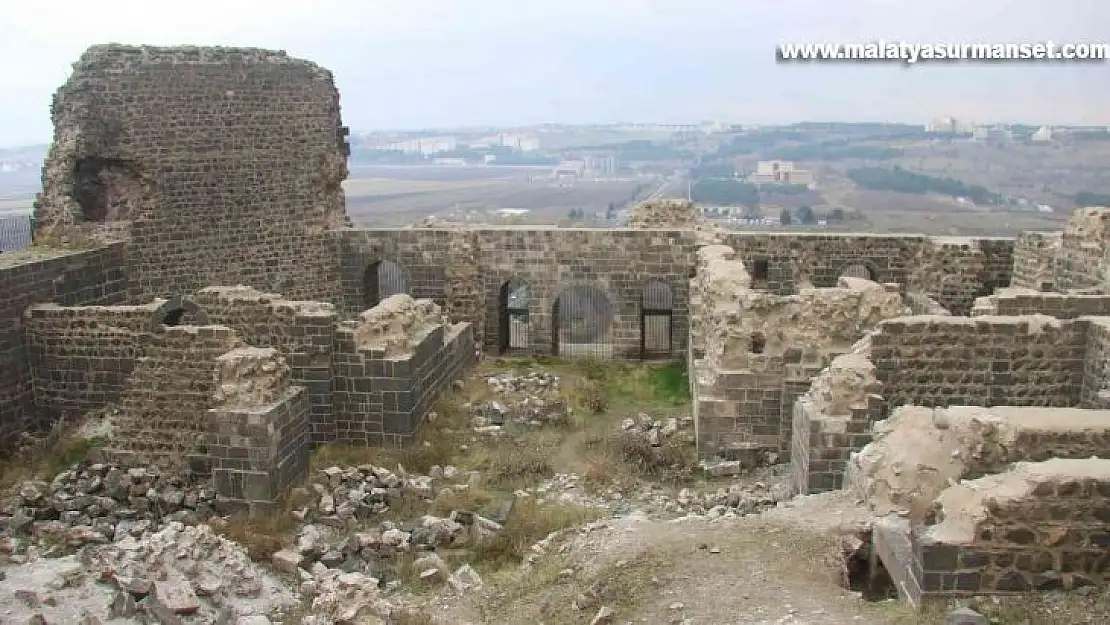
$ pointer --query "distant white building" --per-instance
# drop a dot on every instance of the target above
(1044, 133)
(949, 125)
(780, 172)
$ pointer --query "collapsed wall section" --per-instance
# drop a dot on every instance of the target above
(664, 215)
(42, 275)
(753, 353)
(303, 332)
(1095, 388)
(220, 165)
(1022, 301)
(954, 271)
(919, 452)
(160, 412)
(1038, 526)
(1035, 255)
(391, 365)
(1084, 255)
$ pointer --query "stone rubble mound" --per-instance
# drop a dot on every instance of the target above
(531, 398)
(668, 214)
(188, 571)
(656, 433)
(336, 535)
(98, 503)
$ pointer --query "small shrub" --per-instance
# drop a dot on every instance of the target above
(595, 398)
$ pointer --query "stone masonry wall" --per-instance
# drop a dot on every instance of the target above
(1022, 301)
(982, 361)
(955, 270)
(1095, 389)
(221, 165)
(257, 438)
(39, 275)
(1040, 526)
(1035, 255)
(1084, 254)
(302, 331)
(82, 356)
(752, 352)
(440, 265)
(161, 415)
(390, 367)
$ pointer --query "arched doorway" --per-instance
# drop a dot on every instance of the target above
(514, 327)
(858, 270)
(581, 320)
(380, 280)
(656, 317)
(178, 311)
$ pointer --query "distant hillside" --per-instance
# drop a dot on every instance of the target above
(20, 170)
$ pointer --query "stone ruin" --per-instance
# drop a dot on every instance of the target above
(226, 317)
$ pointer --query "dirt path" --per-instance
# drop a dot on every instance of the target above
(779, 567)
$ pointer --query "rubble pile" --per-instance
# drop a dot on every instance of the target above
(763, 489)
(188, 570)
(531, 398)
(656, 433)
(98, 503)
(337, 534)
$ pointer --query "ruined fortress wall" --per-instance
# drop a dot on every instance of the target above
(1035, 256)
(302, 331)
(951, 270)
(162, 409)
(819, 259)
(81, 356)
(1039, 526)
(464, 270)
(980, 361)
(380, 397)
(1021, 301)
(1084, 258)
(1095, 391)
(40, 275)
(222, 165)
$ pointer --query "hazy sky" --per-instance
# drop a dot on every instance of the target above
(418, 63)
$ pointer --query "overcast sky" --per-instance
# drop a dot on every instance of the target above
(420, 63)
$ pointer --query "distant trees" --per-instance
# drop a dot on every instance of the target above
(1086, 198)
(785, 218)
(576, 213)
(903, 181)
(806, 216)
(836, 215)
(729, 192)
(832, 152)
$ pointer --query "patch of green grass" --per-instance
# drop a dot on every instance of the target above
(528, 523)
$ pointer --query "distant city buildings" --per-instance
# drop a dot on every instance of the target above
(950, 125)
(601, 165)
(424, 145)
(1044, 133)
(992, 133)
(780, 172)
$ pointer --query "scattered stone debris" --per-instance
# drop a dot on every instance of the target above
(531, 398)
(98, 503)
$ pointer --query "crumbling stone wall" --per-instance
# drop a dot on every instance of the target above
(1039, 526)
(391, 365)
(82, 356)
(664, 215)
(753, 353)
(160, 418)
(919, 452)
(220, 165)
(441, 265)
(956, 270)
(1095, 388)
(40, 275)
(922, 304)
(257, 438)
(1023, 301)
(832, 420)
(1084, 254)
(1035, 255)
(993, 361)
(303, 331)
